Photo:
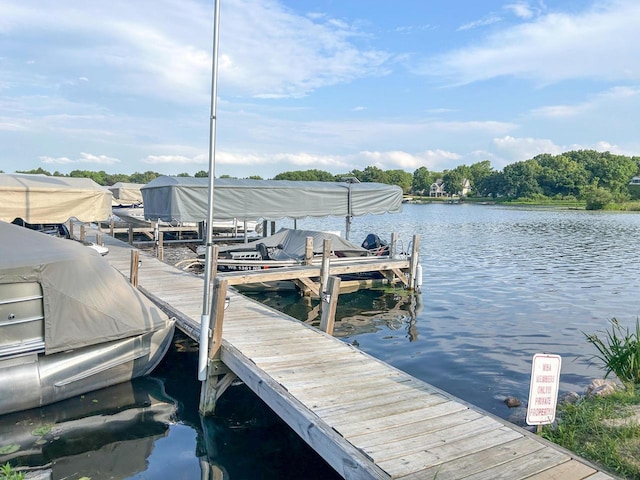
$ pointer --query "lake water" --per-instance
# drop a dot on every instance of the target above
(499, 285)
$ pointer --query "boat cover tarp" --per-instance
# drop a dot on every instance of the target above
(185, 199)
(46, 199)
(288, 244)
(86, 301)
(126, 193)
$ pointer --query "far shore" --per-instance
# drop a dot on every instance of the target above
(629, 206)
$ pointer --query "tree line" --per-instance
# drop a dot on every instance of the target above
(595, 177)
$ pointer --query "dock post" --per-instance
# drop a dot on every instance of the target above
(324, 269)
(112, 225)
(160, 246)
(393, 247)
(130, 235)
(308, 251)
(133, 268)
(218, 378)
(71, 229)
(413, 265)
(329, 302)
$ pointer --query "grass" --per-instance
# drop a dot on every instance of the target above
(8, 473)
(588, 429)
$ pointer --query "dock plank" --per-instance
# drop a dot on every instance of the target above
(367, 419)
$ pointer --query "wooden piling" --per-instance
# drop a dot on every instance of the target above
(133, 268)
(329, 304)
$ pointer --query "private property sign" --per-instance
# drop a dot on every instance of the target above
(543, 392)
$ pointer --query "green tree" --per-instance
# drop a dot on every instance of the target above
(454, 179)
(493, 185)
(201, 174)
(306, 175)
(185, 174)
(597, 197)
(372, 174)
(560, 175)
(478, 172)
(401, 178)
(99, 177)
(145, 177)
(422, 181)
(521, 179)
(36, 171)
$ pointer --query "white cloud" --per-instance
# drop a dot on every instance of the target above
(520, 9)
(595, 44)
(56, 160)
(166, 52)
(84, 158)
(483, 22)
(519, 149)
(615, 95)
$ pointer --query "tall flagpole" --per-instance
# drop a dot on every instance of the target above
(206, 310)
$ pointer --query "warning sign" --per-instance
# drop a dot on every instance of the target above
(543, 392)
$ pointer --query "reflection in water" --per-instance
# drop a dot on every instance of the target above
(150, 428)
(365, 311)
(109, 433)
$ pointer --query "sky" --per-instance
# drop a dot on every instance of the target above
(125, 86)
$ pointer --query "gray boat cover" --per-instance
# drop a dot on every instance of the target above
(86, 301)
(185, 199)
(45, 199)
(126, 193)
(288, 244)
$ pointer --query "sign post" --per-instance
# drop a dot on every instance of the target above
(543, 392)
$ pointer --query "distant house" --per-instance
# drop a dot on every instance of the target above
(437, 189)
(634, 188)
(466, 187)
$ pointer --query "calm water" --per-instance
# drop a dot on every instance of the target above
(500, 284)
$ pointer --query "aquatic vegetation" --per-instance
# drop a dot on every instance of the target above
(620, 352)
(8, 473)
(7, 449)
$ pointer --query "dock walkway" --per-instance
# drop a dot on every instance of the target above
(367, 419)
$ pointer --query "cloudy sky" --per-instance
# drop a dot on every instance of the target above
(125, 86)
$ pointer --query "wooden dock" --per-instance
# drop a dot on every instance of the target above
(367, 419)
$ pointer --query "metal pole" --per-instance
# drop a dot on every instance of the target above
(205, 317)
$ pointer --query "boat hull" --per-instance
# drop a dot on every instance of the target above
(34, 379)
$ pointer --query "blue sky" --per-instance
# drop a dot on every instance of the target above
(124, 86)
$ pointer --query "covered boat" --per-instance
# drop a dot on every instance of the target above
(185, 199)
(288, 247)
(46, 199)
(128, 205)
(69, 322)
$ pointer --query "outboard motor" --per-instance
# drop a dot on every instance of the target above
(262, 249)
(375, 244)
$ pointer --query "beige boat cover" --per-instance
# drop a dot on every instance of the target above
(45, 199)
(86, 301)
(126, 193)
